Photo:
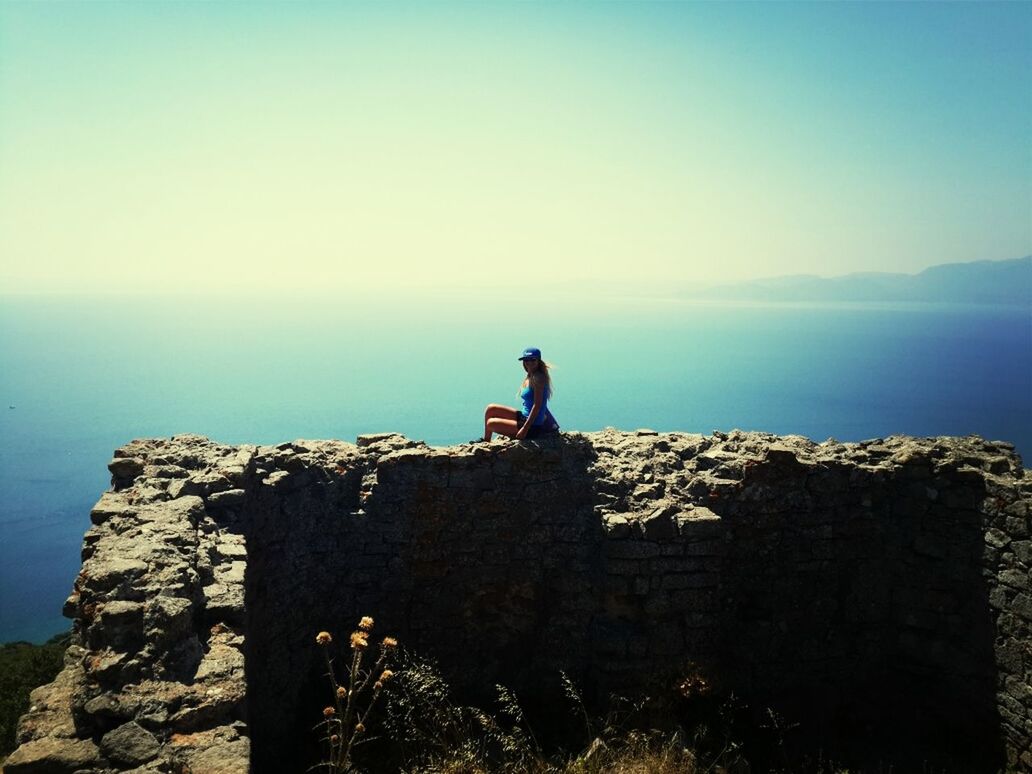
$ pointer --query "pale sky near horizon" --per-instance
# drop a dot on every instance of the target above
(166, 146)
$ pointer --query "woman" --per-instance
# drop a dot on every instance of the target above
(533, 419)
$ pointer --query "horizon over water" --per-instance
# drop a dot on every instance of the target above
(86, 374)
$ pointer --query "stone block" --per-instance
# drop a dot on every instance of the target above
(810, 571)
(52, 755)
(996, 538)
(111, 505)
(227, 498)
(130, 745)
(698, 580)
(632, 549)
(219, 750)
(1021, 605)
(224, 602)
(659, 525)
(1019, 689)
(1023, 551)
(126, 468)
(104, 575)
(686, 564)
(1017, 527)
(622, 567)
(1017, 579)
(1009, 656)
(699, 523)
(615, 526)
(997, 598)
(118, 624)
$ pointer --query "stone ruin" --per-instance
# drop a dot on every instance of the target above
(868, 590)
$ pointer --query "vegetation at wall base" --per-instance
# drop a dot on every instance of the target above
(419, 728)
(24, 666)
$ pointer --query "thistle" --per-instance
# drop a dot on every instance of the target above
(346, 719)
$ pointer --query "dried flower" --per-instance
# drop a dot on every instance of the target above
(323, 638)
(359, 728)
(366, 623)
(359, 640)
(342, 692)
(378, 685)
(389, 642)
(387, 675)
(694, 685)
(334, 739)
(329, 712)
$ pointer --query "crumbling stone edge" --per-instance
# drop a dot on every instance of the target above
(155, 682)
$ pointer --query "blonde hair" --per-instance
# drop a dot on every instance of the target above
(541, 372)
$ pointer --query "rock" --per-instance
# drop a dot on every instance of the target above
(70, 608)
(105, 575)
(221, 661)
(126, 468)
(616, 526)
(699, 523)
(130, 745)
(227, 498)
(108, 707)
(224, 602)
(199, 485)
(105, 664)
(622, 556)
(221, 750)
(659, 525)
(996, 538)
(119, 623)
(209, 705)
(782, 455)
(50, 706)
(168, 619)
(52, 755)
(277, 478)
(111, 504)
(393, 441)
(231, 550)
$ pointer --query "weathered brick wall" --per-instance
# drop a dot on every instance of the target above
(875, 591)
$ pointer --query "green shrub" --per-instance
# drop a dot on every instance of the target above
(24, 666)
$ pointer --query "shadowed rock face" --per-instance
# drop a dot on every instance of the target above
(875, 591)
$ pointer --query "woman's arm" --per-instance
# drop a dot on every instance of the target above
(539, 395)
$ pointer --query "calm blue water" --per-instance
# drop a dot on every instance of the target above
(86, 375)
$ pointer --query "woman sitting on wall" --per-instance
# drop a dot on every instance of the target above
(533, 419)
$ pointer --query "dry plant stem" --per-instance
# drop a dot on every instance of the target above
(574, 695)
(334, 750)
(362, 719)
(374, 671)
(345, 750)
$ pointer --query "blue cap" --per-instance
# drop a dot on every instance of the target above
(533, 352)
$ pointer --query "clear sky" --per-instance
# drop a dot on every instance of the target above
(158, 146)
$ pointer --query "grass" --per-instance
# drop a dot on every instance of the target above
(419, 728)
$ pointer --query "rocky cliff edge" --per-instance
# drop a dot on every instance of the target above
(637, 547)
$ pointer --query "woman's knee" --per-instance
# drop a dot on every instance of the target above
(502, 426)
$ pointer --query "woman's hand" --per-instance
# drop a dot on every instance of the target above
(521, 433)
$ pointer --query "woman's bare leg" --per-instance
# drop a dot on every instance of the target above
(507, 427)
(500, 419)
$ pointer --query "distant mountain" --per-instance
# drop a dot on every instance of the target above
(979, 282)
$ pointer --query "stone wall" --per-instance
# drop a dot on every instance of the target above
(876, 593)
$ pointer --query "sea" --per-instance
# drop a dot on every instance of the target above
(82, 375)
